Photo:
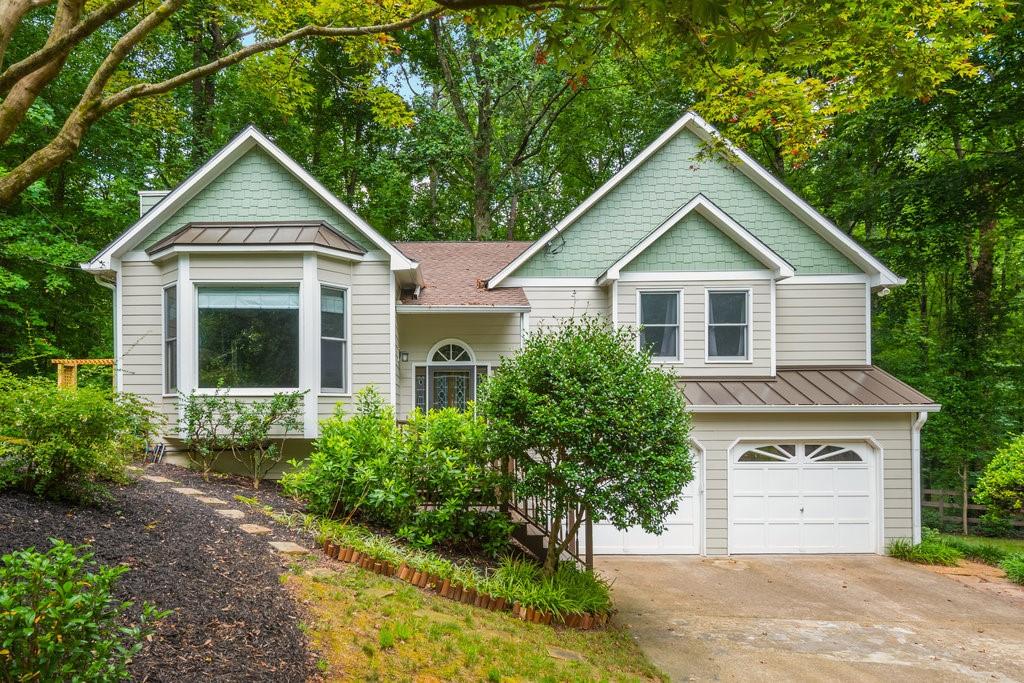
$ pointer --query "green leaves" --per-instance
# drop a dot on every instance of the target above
(591, 425)
(1002, 482)
(60, 621)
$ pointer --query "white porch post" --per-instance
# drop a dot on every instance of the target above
(188, 340)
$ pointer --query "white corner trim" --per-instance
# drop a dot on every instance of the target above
(915, 476)
(867, 324)
(188, 337)
(392, 343)
(249, 138)
(771, 342)
(718, 218)
(309, 344)
(814, 408)
(524, 328)
(879, 273)
(615, 304)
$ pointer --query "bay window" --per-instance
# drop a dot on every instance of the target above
(170, 339)
(333, 340)
(248, 336)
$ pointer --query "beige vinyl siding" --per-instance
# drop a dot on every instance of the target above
(369, 306)
(489, 335)
(141, 290)
(694, 333)
(821, 324)
(550, 305)
(716, 433)
(245, 267)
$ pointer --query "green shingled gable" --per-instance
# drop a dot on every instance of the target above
(256, 188)
(670, 178)
(693, 244)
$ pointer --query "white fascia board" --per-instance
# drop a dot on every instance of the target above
(880, 274)
(721, 220)
(167, 252)
(609, 185)
(847, 279)
(416, 308)
(908, 408)
(550, 282)
(706, 276)
(242, 143)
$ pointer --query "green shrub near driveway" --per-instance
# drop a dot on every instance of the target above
(1001, 485)
(59, 620)
(928, 551)
(64, 444)
(1013, 565)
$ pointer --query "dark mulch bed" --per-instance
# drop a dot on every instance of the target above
(232, 619)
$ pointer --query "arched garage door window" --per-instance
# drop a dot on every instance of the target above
(450, 377)
(800, 453)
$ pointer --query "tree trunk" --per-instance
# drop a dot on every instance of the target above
(513, 217)
(551, 557)
(17, 102)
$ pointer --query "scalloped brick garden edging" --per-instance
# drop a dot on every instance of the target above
(451, 591)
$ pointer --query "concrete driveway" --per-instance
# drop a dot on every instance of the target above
(850, 618)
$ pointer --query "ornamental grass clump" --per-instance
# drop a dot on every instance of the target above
(928, 551)
(1013, 565)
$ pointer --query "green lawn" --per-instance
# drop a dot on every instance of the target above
(368, 627)
(1008, 545)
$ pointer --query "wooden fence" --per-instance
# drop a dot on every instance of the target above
(949, 504)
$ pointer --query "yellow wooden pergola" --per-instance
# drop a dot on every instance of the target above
(67, 370)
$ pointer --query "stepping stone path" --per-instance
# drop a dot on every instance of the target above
(284, 547)
(288, 548)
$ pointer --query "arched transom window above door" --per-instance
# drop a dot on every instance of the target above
(799, 453)
(449, 377)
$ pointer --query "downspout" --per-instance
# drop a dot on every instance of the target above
(915, 457)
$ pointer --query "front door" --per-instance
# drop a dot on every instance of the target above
(450, 387)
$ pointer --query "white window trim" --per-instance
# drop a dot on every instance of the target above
(749, 359)
(166, 393)
(347, 393)
(678, 358)
(194, 315)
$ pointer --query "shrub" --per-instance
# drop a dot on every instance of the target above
(928, 551)
(592, 426)
(350, 467)
(1001, 485)
(427, 482)
(253, 431)
(66, 443)
(995, 524)
(1013, 565)
(59, 620)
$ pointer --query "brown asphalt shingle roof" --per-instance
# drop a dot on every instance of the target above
(317, 233)
(455, 273)
(805, 386)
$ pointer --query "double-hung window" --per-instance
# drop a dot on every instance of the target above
(170, 339)
(333, 340)
(248, 336)
(659, 324)
(728, 316)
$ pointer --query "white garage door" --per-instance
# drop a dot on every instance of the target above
(681, 537)
(802, 498)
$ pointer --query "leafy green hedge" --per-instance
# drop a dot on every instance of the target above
(427, 482)
(59, 620)
(65, 444)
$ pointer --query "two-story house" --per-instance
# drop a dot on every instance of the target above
(251, 275)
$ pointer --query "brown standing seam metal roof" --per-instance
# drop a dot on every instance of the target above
(806, 386)
(314, 233)
(455, 273)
